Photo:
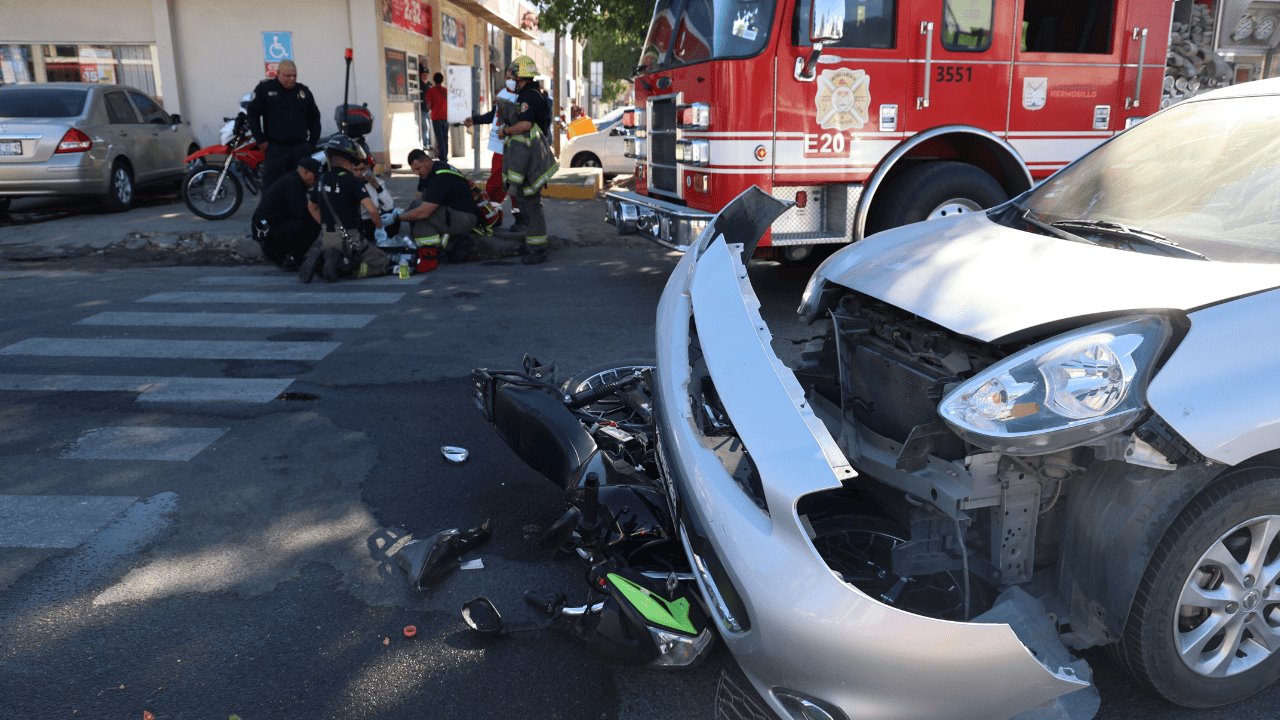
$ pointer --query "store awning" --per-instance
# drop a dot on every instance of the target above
(493, 18)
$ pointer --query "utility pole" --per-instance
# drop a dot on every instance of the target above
(555, 97)
(475, 104)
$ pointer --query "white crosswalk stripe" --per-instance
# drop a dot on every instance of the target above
(227, 320)
(291, 281)
(274, 298)
(155, 389)
(171, 349)
(143, 443)
(56, 521)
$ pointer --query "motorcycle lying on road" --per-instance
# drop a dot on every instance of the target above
(215, 192)
(594, 436)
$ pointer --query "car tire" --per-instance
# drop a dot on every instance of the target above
(120, 190)
(1195, 633)
(585, 159)
(932, 190)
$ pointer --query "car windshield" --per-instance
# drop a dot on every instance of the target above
(1203, 174)
(689, 31)
(610, 119)
(41, 102)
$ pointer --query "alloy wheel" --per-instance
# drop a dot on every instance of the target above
(1226, 621)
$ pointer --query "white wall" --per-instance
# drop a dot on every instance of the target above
(76, 21)
(218, 48)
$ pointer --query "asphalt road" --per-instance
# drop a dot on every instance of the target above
(236, 496)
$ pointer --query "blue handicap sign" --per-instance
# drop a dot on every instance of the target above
(277, 46)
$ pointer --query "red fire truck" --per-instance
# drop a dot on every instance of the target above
(870, 114)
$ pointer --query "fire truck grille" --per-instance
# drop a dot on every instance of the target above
(662, 146)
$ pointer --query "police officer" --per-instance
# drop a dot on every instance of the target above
(282, 224)
(283, 114)
(335, 204)
(525, 180)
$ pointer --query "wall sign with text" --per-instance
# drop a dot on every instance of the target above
(411, 15)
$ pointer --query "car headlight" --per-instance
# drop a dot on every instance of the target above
(1062, 392)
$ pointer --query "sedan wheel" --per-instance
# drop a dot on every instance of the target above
(120, 191)
(1205, 625)
(585, 160)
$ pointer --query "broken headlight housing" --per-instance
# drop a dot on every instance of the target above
(1062, 392)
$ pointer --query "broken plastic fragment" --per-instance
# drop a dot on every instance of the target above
(476, 564)
(386, 641)
(455, 455)
(426, 561)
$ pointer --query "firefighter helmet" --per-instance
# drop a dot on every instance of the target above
(524, 67)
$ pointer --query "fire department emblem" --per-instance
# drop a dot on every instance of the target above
(843, 99)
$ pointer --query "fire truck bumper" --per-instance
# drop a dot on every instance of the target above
(669, 224)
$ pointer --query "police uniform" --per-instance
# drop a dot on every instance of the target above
(523, 183)
(288, 121)
(282, 225)
(338, 194)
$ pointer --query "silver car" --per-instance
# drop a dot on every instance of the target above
(78, 139)
(1017, 434)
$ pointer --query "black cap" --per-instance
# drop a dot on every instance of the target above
(311, 165)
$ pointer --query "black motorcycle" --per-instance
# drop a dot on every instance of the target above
(593, 435)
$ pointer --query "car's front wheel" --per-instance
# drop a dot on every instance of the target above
(1205, 626)
(585, 159)
(119, 195)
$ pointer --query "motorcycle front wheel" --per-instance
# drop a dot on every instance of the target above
(206, 198)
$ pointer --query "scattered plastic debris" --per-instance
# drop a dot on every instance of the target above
(146, 715)
(453, 454)
(426, 561)
(386, 641)
(476, 564)
(410, 630)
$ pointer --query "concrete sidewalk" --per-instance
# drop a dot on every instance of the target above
(161, 228)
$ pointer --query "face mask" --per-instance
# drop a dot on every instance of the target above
(511, 85)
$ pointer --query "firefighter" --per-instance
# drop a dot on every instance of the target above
(495, 187)
(283, 114)
(335, 204)
(528, 162)
(447, 210)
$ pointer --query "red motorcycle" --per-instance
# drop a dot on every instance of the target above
(215, 192)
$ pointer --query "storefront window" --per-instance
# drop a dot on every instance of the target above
(124, 64)
(15, 64)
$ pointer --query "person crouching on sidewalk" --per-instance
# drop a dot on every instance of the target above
(282, 226)
(335, 204)
(447, 209)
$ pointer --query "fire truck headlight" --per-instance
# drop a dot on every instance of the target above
(693, 152)
(696, 116)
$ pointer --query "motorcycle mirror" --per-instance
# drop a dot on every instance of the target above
(455, 455)
(481, 616)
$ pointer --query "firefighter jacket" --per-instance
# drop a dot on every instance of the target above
(527, 160)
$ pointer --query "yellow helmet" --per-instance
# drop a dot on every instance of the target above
(524, 67)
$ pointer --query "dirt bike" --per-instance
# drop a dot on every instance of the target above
(214, 192)
(594, 436)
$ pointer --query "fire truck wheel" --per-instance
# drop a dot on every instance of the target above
(933, 190)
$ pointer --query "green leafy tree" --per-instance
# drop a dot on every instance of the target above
(614, 30)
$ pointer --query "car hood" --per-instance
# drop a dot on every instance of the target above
(988, 281)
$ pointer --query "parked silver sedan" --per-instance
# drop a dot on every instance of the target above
(96, 140)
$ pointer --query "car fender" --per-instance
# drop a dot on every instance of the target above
(1218, 389)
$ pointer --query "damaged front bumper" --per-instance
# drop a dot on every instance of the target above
(795, 627)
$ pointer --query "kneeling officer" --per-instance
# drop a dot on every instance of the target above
(335, 204)
(282, 224)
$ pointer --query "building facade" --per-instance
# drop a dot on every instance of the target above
(200, 58)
